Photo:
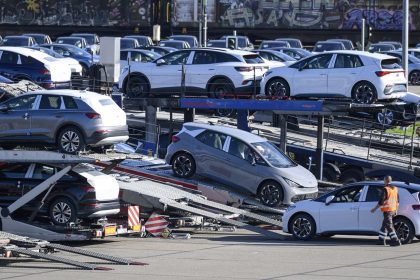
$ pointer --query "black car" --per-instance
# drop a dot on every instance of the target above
(80, 194)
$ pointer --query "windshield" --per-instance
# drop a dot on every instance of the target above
(71, 49)
(328, 47)
(39, 39)
(15, 42)
(217, 44)
(89, 38)
(253, 59)
(50, 52)
(267, 45)
(273, 155)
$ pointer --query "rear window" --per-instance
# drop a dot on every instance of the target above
(391, 63)
(253, 59)
(69, 102)
(106, 102)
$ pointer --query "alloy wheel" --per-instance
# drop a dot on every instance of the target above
(302, 228)
(277, 88)
(402, 230)
(62, 212)
(182, 166)
(270, 194)
(70, 141)
(364, 94)
(386, 118)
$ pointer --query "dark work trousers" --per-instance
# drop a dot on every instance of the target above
(388, 226)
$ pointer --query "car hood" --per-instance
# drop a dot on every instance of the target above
(300, 175)
(410, 97)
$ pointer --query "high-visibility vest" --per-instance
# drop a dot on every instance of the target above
(391, 200)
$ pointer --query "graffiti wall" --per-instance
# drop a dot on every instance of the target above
(75, 12)
(317, 14)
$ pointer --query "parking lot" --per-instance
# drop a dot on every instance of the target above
(235, 256)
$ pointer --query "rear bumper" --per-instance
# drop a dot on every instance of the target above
(98, 209)
(108, 135)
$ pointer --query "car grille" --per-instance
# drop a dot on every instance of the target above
(304, 196)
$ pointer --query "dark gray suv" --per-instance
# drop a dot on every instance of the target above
(68, 119)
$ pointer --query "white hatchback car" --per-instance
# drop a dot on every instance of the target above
(347, 211)
(360, 76)
(210, 72)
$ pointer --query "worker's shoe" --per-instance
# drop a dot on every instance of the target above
(381, 241)
(395, 242)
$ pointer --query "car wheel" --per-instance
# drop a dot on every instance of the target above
(183, 165)
(351, 175)
(385, 117)
(137, 87)
(364, 93)
(271, 194)
(414, 77)
(302, 227)
(62, 211)
(221, 89)
(404, 229)
(70, 140)
(277, 87)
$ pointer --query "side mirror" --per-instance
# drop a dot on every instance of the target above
(160, 62)
(329, 200)
(4, 108)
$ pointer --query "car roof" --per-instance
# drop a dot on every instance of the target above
(181, 36)
(399, 184)
(237, 133)
(26, 51)
(17, 36)
(361, 53)
(82, 34)
(34, 34)
(71, 37)
(67, 92)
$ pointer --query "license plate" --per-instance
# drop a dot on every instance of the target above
(110, 230)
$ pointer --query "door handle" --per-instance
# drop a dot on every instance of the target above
(353, 208)
(211, 69)
(353, 73)
(58, 117)
(323, 74)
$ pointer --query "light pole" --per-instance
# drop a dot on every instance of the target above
(363, 33)
(205, 23)
(405, 37)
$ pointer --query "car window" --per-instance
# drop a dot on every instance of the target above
(123, 55)
(177, 58)
(9, 58)
(50, 102)
(22, 103)
(13, 171)
(351, 194)
(253, 59)
(374, 193)
(69, 102)
(43, 172)
(212, 139)
(347, 61)
(204, 58)
(239, 149)
(319, 62)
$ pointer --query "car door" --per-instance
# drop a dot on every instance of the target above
(47, 117)
(210, 150)
(167, 77)
(15, 123)
(312, 78)
(241, 160)
(344, 75)
(8, 64)
(342, 214)
(12, 181)
(370, 222)
(201, 70)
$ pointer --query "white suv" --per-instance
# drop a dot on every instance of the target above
(214, 73)
(360, 76)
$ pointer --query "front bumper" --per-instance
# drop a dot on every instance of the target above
(108, 135)
(296, 194)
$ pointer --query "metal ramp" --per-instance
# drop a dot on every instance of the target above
(41, 249)
(155, 194)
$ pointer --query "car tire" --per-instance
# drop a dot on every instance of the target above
(302, 226)
(62, 211)
(404, 229)
(385, 118)
(364, 93)
(414, 77)
(277, 87)
(137, 87)
(221, 89)
(70, 140)
(183, 165)
(352, 175)
(271, 194)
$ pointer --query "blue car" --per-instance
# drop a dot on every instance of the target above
(85, 59)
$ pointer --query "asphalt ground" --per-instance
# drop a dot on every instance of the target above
(238, 255)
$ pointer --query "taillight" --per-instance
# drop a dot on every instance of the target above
(244, 69)
(93, 115)
(384, 73)
(87, 189)
(45, 72)
(416, 206)
(175, 139)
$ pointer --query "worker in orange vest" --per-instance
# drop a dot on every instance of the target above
(389, 206)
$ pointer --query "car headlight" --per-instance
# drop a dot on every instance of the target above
(290, 208)
(292, 183)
